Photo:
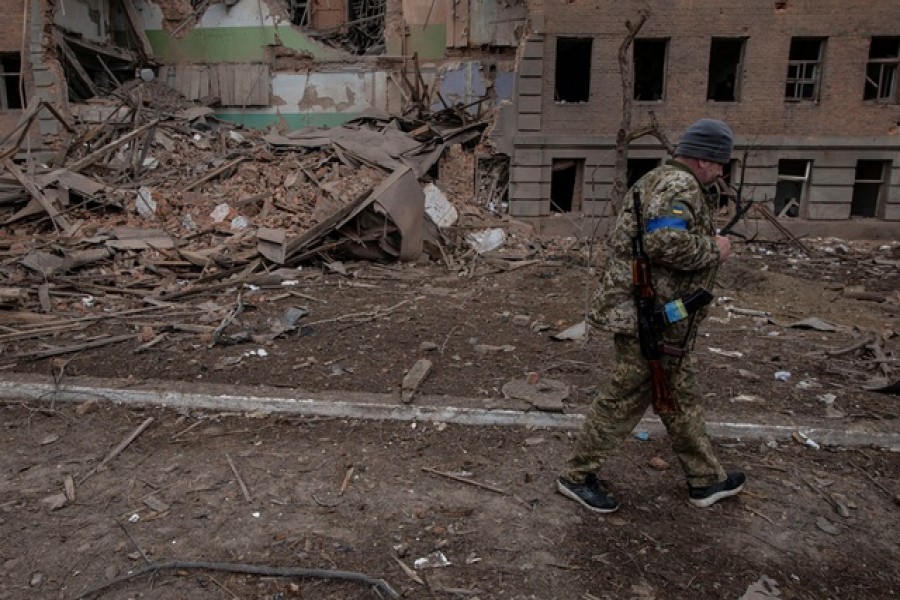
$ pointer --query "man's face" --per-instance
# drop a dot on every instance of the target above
(709, 171)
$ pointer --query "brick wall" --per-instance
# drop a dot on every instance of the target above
(690, 25)
(834, 132)
(11, 26)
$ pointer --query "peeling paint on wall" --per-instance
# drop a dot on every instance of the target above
(468, 81)
(317, 99)
(306, 88)
(241, 33)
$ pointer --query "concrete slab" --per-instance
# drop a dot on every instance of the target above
(228, 398)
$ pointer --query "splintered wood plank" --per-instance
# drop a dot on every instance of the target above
(46, 202)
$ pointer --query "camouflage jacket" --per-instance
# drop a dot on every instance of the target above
(679, 239)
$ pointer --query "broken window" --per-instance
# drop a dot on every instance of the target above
(566, 182)
(638, 167)
(793, 176)
(869, 187)
(725, 59)
(300, 12)
(573, 69)
(93, 68)
(881, 71)
(650, 69)
(804, 75)
(10, 73)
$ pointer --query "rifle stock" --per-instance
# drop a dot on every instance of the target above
(649, 329)
(663, 401)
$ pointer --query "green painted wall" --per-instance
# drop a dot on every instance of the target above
(429, 41)
(294, 121)
(230, 44)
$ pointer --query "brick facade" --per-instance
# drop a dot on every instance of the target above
(11, 41)
(834, 132)
(11, 26)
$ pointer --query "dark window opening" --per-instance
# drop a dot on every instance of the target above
(791, 187)
(300, 12)
(566, 181)
(868, 187)
(725, 60)
(881, 70)
(90, 70)
(649, 69)
(804, 69)
(573, 69)
(10, 78)
(638, 167)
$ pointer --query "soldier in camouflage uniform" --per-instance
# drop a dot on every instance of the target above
(685, 252)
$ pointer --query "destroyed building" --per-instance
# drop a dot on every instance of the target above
(289, 62)
(809, 86)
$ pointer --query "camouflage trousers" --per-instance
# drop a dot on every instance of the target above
(621, 403)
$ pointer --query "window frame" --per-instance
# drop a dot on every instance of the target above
(805, 72)
(887, 67)
(10, 82)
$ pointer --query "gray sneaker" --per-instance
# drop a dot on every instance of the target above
(709, 495)
(590, 493)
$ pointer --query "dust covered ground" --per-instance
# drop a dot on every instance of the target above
(381, 498)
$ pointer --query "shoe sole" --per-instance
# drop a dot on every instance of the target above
(573, 496)
(709, 501)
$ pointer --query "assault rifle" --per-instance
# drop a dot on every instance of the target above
(652, 317)
(649, 331)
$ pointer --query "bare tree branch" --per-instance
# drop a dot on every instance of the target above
(622, 135)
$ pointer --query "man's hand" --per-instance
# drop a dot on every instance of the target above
(724, 245)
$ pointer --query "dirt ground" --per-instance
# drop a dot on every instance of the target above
(380, 498)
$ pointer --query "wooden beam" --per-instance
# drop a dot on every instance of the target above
(58, 219)
(96, 154)
(137, 27)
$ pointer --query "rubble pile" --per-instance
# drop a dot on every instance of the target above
(149, 199)
(172, 166)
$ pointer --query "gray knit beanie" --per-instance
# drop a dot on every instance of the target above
(707, 139)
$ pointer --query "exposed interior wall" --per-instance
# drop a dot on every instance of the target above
(89, 18)
(311, 83)
(256, 65)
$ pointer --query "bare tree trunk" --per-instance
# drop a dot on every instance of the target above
(625, 71)
(625, 135)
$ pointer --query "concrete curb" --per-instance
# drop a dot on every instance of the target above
(20, 387)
